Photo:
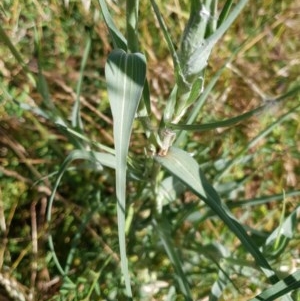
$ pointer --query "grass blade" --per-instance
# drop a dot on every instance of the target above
(41, 81)
(288, 284)
(6, 41)
(118, 39)
(163, 229)
(263, 199)
(132, 12)
(125, 76)
(76, 119)
(227, 22)
(219, 286)
(168, 39)
(278, 240)
(74, 155)
(203, 97)
(184, 167)
(217, 124)
(225, 11)
(269, 104)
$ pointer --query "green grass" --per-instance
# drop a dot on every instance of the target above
(200, 227)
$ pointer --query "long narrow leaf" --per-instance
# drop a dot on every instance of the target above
(217, 124)
(228, 21)
(203, 97)
(125, 76)
(235, 120)
(74, 135)
(76, 118)
(225, 11)
(219, 286)
(168, 39)
(74, 155)
(288, 284)
(184, 167)
(42, 85)
(262, 200)
(132, 13)
(6, 41)
(163, 228)
(278, 240)
(118, 39)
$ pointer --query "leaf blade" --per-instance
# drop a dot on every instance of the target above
(118, 39)
(184, 167)
(125, 76)
(288, 284)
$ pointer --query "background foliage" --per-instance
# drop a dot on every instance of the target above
(38, 92)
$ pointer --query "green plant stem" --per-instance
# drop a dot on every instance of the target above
(76, 117)
(224, 13)
(4, 39)
(132, 12)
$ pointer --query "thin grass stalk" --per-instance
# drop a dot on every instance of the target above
(76, 117)
(163, 229)
(163, 26)
(224, 13)
(132, 14)
(6, 40)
